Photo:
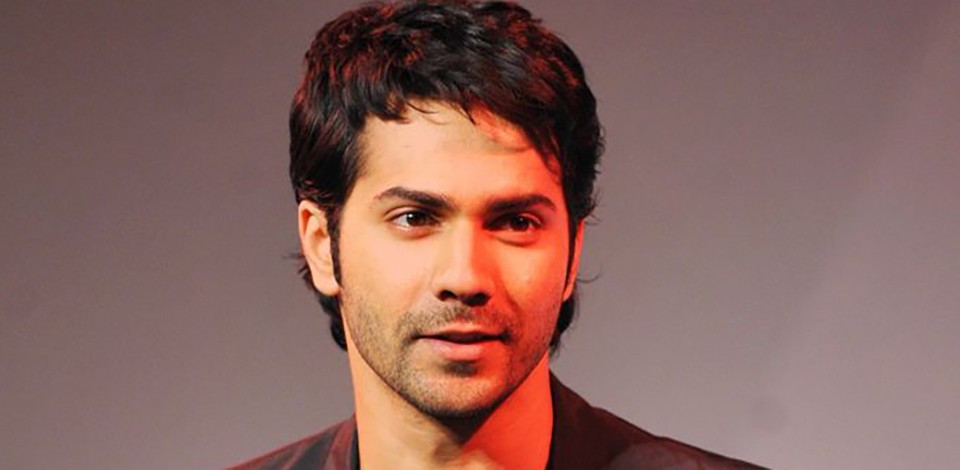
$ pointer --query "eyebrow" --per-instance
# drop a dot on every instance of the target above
(516, 204)
(440, 202)
(427, 199)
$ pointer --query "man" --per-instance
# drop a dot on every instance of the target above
(443, 154)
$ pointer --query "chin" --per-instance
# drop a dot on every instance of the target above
(457, 396)
(457, 410)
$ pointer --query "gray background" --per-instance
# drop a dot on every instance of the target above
(775, 251)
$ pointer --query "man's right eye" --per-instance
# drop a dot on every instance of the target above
(413, 219)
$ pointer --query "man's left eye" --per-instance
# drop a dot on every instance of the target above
(519, 223)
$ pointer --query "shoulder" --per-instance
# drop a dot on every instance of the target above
(589, 437)
(332, 444)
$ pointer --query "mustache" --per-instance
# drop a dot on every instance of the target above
(416, 323)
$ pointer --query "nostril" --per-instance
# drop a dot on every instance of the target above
(446, 295)
(475, 299)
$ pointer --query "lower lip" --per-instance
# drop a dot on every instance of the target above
(460, 352)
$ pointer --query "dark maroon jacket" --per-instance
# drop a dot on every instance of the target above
(584, 438)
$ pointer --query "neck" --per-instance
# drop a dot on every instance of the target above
(395, 435)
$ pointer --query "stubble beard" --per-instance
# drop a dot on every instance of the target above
(447, 393)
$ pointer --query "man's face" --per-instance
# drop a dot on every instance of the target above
(453, 250)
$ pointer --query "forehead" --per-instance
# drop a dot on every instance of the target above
(436, 144)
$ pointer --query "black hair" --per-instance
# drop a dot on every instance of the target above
(494, 56)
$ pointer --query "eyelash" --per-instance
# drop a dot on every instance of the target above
(507, 221)
(530, 222)
(402, 219)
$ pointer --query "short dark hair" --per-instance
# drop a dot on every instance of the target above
(495, 56)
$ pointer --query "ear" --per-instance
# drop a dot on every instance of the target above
(315, 244)
(574, 263)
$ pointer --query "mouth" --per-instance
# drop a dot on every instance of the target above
(463, 346)
(464, 337)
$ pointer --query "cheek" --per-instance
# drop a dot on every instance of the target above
(537, 281)
(375, 267)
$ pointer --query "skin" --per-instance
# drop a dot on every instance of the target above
(453, 253)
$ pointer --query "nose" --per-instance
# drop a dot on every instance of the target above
(464, 268)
